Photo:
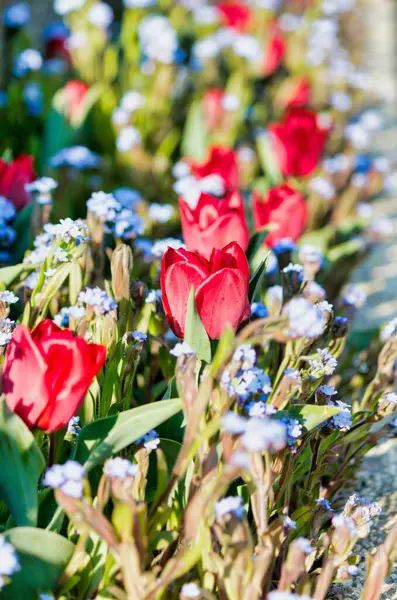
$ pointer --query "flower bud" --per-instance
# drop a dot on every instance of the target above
(122, 263)
(387, 404)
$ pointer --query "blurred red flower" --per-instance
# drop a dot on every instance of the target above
(282, 206)
(298, 141)
(13, 178)
(47, 373)
(222, 162)
(220, 284)
(274, 50)
(235, 15)
(214, 223)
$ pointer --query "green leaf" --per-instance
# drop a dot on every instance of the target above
(195, 334)
(195, 137)
(256, 279)
(43, 557)
(102, 439)
(224, 349)
(9, 274)
(310, 415)
(268, 159)
(21, 464)
(75, 281)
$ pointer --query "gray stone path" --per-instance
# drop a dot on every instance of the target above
(377, 479)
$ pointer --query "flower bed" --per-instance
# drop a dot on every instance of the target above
(184, 190)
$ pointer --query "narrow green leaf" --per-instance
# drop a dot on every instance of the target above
(224, 349)
(21, 464)
(195, 137)
(256, 279)
(268, 159)
(102, 439)
(9, 274)
(75, 281)
(23, 230)
(195, 334)
(309, 415)
(43, 557)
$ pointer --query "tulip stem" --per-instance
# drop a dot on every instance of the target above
(53, 448)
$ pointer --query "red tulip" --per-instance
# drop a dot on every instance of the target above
(213, 107)
(274, 52)
(74, 94)
(47, 373)
(298, 141)
(235, 15)
(214, 223)
(221, 161)
(13, 178)
(220, 284)
(282, 206)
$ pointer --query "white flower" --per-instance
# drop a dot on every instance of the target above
(42, 188)
(120, 117)
(76, 41)
(325, 363)
(190, 590)
(104, 206)
(128, 138)
(323, 187)
(230, 102)
(8, 298)
(234, 423)
(97, 299)
(9, 563)
(264, 434)
(158, 38)
(68, 478)
(6, 330)
(290, 22)
(358, 136)
(120, 468)
(310, 254)
(354, 296)
(74, 427)
(230, 505)
(247, 47)
(304, 545)
(28, 60)
(63, 317)
(67, 230)
(132, 101)
(245, 355)
(160, 213)
(64, 7)
(206, 48)
(150, 440)
(206, 15)
(305, 319)
(61, 255)
(389, 330)
(161, 246)
(181, 169)
(182, 349)
(341, 101)
(101, 15)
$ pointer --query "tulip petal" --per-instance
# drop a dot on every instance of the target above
(24, 376)
(72, 365)
(223, 299)
(176, 286)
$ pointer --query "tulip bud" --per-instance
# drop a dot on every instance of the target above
(340, 327)
(387, 404)
(122, 264)
(294, 565)
(344, 534)
(292, 277)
